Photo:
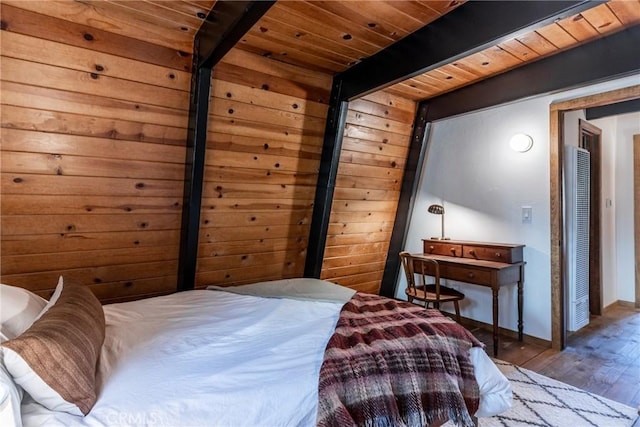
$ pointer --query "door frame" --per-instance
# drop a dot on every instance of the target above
(556, 149)
(636, 211)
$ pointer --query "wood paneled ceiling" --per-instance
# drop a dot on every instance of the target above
(567, 33)
(169, 23)
(332, 36)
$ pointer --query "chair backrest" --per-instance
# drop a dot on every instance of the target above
(418, 267)
(407, 264)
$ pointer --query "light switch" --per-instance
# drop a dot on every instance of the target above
(526, 215)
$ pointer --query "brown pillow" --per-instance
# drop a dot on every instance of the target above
(55, 360)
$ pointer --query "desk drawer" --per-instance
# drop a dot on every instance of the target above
(508, 255)
(465, 274)
(442, 248)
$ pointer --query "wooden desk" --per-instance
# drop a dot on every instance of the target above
(485, 264)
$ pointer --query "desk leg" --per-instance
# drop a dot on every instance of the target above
(495, 320)
(520, 303)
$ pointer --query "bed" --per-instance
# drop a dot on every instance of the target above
(266, 354)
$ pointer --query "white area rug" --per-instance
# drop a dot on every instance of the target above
(542, 401)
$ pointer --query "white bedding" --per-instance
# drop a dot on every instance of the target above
(210, 358)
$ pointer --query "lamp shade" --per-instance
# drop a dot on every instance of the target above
(436, 209)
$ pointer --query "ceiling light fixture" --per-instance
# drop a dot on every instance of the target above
(521, 142)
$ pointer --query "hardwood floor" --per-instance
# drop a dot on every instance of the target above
(602, 358)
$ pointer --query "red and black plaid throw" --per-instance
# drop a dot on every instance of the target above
(391, 363)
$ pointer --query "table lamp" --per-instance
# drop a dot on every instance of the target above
(438, 210)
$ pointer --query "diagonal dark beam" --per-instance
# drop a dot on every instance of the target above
(226, 23)
(194, 177)
(329, 161)
(625, 107)
(413, 166)
(470, 28)
(603, 59)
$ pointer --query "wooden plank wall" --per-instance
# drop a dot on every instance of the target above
(265, 137)
(93, 148)
(374, 151)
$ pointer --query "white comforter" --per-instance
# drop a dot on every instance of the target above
(210, 358)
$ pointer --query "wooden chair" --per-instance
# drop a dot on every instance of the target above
(420, 268)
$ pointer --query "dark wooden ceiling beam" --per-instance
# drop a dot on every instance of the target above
(226, 23)
(606, 58)
(472, 27)
(625, 107)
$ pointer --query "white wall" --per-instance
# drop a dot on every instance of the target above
(617, 142)
(483, 185)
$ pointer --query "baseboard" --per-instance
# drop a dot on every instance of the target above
(620, 303)
(466, 322)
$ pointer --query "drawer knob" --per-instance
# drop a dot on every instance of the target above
(498, 255)
(431, 248)
(453, 250)
(470, 275)
(472, 252)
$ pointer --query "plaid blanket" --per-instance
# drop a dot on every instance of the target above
(391, 363)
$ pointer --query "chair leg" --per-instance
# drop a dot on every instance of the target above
(455, 303)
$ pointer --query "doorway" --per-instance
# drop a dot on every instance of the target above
(590, 139)
(556, 148)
